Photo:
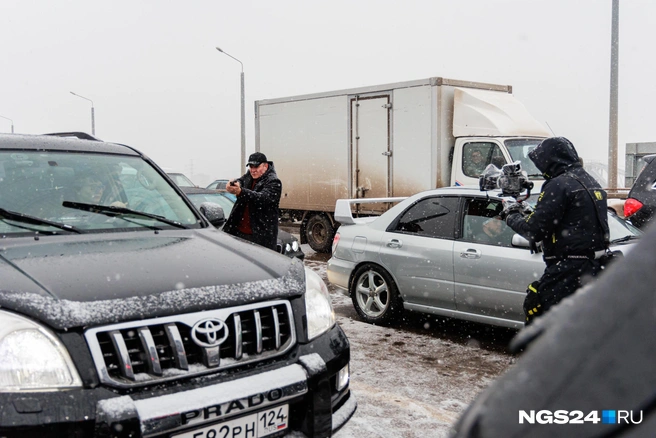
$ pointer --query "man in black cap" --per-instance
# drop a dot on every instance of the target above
(255, 214)
(570, 219)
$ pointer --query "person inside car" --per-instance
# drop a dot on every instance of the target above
(89, 189)
(492, 229)
(476, 164)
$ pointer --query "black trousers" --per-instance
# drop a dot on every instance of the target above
(561, 279)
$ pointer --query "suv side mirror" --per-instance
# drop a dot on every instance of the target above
(213, 213)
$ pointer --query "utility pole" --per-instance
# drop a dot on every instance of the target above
(614, 64)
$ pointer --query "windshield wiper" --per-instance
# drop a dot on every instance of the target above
(27, 219)
(118, 212)
(624, 239)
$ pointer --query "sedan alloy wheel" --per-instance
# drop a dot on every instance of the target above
(374, 294)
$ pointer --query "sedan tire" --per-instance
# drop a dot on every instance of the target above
(375, 295)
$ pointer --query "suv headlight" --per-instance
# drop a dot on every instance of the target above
(32, 358)
(320, 313)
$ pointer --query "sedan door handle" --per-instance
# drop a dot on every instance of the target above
(394, 243)
(470, 254)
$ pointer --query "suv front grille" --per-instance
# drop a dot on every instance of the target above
(161, 349)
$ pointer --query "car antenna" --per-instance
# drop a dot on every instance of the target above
(552, 132)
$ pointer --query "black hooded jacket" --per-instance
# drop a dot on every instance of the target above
(564, 219)
(263, 201)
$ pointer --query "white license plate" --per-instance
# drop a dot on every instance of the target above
(260, 424)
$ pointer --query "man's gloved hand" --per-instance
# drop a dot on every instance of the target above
(532, 306)
(526, 209)
(510, 206)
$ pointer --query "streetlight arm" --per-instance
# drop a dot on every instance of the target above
(85, 98)
(12, 123)
(228, 54)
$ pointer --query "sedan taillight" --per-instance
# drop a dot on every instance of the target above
(335, 242)
(631, 206)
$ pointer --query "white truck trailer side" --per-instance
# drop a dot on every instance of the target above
(387, 140)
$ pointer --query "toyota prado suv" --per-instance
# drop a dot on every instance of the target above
(124, 312)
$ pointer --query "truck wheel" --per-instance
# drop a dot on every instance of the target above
(375, 295)
(319, 233)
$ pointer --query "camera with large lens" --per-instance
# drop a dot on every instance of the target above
(511, 179)
(514, 180)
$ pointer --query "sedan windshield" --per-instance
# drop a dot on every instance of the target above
(44, 191)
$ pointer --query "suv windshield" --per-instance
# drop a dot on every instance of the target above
(519, 149)
(60, 192)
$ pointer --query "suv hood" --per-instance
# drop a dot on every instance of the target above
(79, 281)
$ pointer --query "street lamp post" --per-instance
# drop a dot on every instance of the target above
(614, 67)
(243, 113)
(93, 120)
(12, 123)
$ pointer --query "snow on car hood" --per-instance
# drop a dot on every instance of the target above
(75, 281)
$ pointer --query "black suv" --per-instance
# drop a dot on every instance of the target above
(640, 205)
(124, 312)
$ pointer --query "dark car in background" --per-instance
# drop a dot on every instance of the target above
(287, 243)
(640, 205)
(124, 312)
(219, 184)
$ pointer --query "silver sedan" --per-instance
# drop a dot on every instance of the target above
(443, 252)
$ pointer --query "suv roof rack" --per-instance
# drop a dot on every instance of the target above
(80, 135)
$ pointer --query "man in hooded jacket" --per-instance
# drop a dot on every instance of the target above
(570, 218)
(255, 214)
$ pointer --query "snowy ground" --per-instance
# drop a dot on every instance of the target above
(416, 378)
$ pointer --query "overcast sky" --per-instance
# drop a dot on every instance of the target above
(157, 82)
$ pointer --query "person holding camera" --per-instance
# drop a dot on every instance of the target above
(570, 218)
(256, 213)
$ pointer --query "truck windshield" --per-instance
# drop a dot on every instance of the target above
(519, 149)
(42, 191)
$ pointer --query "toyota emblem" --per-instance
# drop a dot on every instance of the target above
(209, 332)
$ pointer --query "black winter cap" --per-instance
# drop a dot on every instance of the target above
(256, 159)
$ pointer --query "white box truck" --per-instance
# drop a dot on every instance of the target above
(388, 140)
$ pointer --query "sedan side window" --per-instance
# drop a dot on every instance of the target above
(482, 223)
(430, 217)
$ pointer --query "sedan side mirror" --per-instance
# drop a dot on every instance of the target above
(520, 241)
(213, 213)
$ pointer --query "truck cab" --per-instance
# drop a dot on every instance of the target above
(471, 155)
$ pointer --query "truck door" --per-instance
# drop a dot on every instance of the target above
(370, 146)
